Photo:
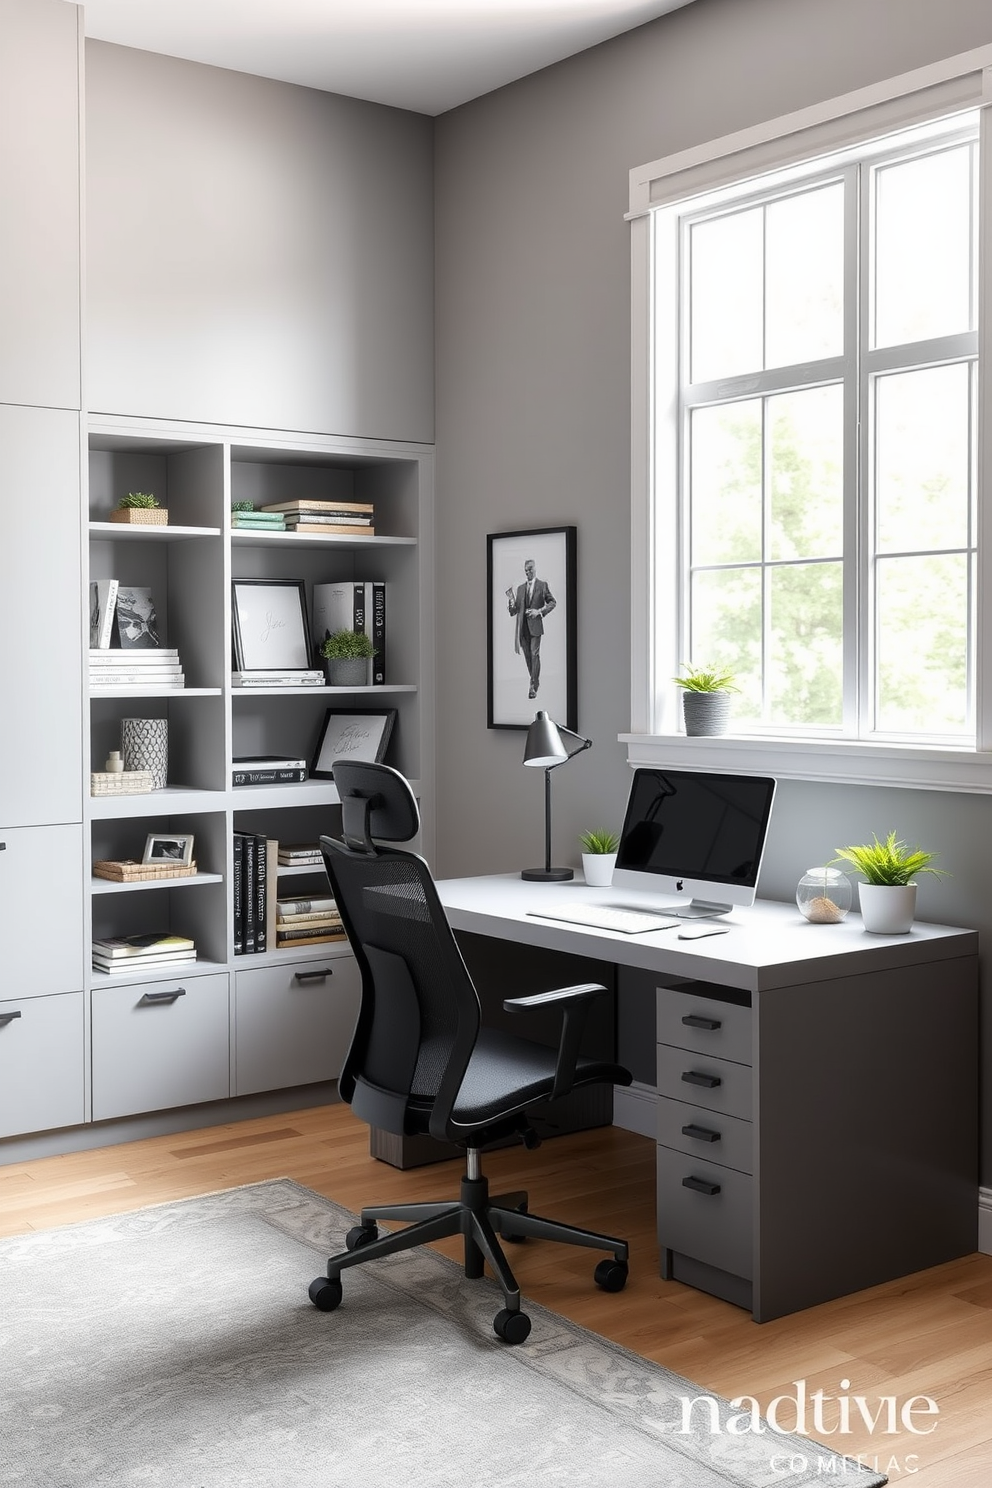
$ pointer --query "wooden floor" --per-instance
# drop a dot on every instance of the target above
(930, 1334)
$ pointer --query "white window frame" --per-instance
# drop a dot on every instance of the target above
(955, 84)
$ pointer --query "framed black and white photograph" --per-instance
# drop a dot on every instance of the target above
(169, 847)
(137, 623)
(530, 588)
(347, 735)
(269, 618)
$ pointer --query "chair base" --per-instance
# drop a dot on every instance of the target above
(483, 1221)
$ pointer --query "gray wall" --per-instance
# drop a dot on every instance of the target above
(258, 253)
(533, 400)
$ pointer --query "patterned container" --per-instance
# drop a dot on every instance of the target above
(145, 746)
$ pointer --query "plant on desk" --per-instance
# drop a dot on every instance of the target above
(705, 698)
(599, 857)
(346, 656)
(888, 895)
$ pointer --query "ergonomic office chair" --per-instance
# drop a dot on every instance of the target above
(420, 1060)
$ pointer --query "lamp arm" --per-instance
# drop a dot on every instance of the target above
(582, 744)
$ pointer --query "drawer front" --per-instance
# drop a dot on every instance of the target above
(160, 1044)
(293, 1024)
(701, 1081)
(712, 1136)
(712, 1226)
(41, 875)
(41, 1063)
(687, 1019)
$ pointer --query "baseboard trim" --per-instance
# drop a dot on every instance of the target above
(635, 1108)
(985, 1220)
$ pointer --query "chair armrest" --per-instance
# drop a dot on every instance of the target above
(575, 1003)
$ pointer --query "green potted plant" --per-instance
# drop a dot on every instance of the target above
(599, 857)
(346, 656)
(140, 507)
(705, 698)
(888, 895)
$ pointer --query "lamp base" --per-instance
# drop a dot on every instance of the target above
(547, 875)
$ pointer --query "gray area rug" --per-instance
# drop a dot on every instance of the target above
(176, 1346)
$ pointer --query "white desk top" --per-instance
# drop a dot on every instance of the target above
(769, 945)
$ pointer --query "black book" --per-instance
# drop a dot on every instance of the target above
(269, 777)
(250, 893)
(261, 871)
(239, 894)
(378, 632)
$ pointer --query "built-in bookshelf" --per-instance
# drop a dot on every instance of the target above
(298, 1004)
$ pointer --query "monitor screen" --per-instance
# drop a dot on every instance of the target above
(695, 834)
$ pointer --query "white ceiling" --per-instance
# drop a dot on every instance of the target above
(425, 55)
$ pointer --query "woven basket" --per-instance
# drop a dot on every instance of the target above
(141, 516)
(128, 871)
(121, 782)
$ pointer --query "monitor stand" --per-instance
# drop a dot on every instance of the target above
(697, 909)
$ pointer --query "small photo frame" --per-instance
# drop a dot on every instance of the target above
(346, 735)
(269, 620)
(169, 847)
(531, 592)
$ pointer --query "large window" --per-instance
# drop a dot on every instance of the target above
(808, 490)
(827, 373)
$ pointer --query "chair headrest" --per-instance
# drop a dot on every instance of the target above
(376, 802)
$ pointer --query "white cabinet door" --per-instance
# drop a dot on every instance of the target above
(40, 191)
(41, 910)
(293, 1024)
(41, 1063)
(41, 654)
(160, 1044)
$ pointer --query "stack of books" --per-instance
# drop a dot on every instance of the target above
(332, 518)
(251, 893)
(267, 769)
(308, 677)
(306, 922)
(137, 671)
(257, 521)
(300, 855)
(135, 955)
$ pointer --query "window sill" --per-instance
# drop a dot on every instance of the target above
(837, 762)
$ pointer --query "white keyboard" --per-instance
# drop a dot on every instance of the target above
(608, 917)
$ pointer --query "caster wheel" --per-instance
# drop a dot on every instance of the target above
(512, 1327)
(326, 1293)
(359, 1236)
(611, 1275)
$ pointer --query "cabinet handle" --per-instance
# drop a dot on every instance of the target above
(700, 1133)
(172, 996)
(693, 1077)
(700, 1185)
(6, 1018)
(313, 976)
(696, 1020)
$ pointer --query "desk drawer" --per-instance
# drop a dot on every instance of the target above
(712, 1226)
(293, 1024)
(685, 1018)
(717, 1084)
(711, 1136)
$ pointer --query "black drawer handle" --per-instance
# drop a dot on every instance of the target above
(693, 1077)
(313, 976)
(6, 1018)
(702, 1186)
(696, 1020)
(172, 996)
(700, 1133)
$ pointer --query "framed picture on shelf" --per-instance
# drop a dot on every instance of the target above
(269, 619)
(530, 589)
(169, 847)
(352, 736)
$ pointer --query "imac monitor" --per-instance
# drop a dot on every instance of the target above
(695, 836)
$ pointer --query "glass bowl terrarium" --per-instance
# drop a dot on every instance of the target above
(824, 895)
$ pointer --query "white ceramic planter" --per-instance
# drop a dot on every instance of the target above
(597, 869)
(887, 909)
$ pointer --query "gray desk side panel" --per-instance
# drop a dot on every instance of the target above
(867, 1131)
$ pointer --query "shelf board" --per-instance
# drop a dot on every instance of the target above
(178, 971)
(172, 800)
(304, 793)
(111, 886)
(329, 949)
(379, 690)
(167, 533)
(119, 692)
(253, 539)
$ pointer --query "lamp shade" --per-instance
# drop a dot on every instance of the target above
(544, 746)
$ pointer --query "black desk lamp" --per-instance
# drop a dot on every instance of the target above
(545, 749)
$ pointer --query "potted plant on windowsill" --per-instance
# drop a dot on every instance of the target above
(705, 699)
(141, 508)
(346, 655)
(888, 895)
(599, 857)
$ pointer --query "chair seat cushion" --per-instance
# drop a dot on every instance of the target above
(507, 1074)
